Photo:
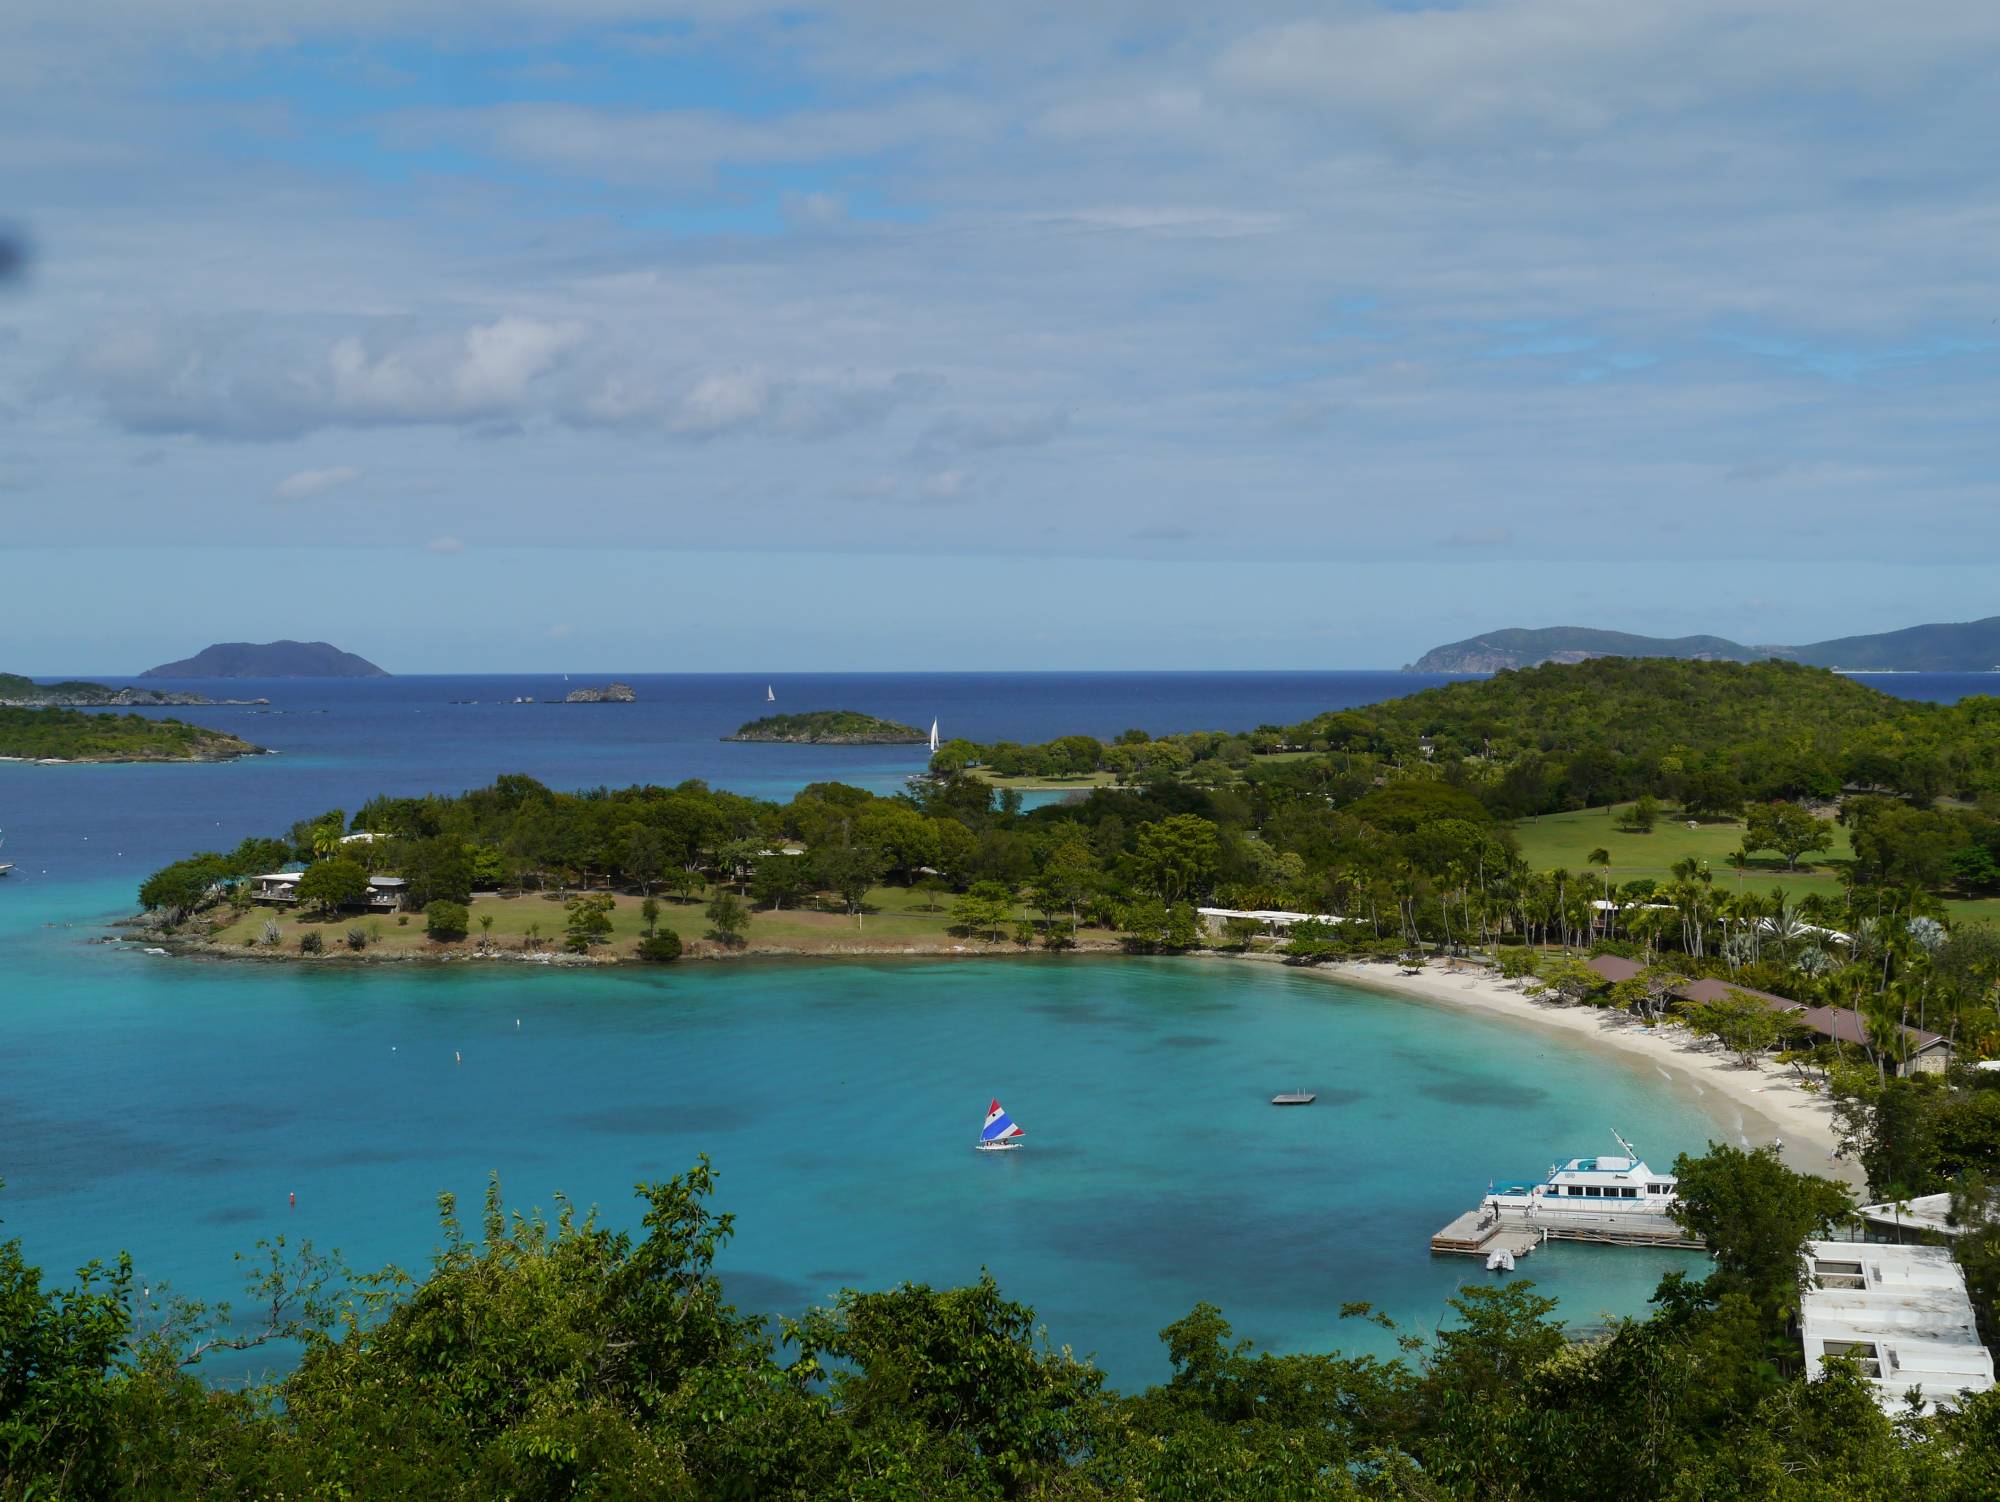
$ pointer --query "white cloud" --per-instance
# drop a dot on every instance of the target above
(307, 483)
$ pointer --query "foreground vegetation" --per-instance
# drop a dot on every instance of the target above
(565, 1358)
(72, 735)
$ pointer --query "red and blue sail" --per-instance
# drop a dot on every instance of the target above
(999, 1126)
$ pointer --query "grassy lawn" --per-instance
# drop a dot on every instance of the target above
(893, 916)
(1048, 784)
(1566, 839)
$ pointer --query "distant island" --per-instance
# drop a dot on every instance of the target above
(611, 693)
(829, 727)
(20, 692)
(1960, 647)
(70, 735)
(271, 659)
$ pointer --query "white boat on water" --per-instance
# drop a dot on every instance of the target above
(5, 866)
(770, 694)
(934, 738)
(1000, 1134)
(1590, 1188)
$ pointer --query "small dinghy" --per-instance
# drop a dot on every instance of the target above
(1000, 1134)
(1294, 1098)
(1500, 1260)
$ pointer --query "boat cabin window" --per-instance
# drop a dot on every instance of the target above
(1659, 1189)
(1629, 1193)
(1592, 1190)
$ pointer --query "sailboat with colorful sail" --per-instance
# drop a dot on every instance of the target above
(1000, 1134)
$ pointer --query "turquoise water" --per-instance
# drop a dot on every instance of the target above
(171, 1107)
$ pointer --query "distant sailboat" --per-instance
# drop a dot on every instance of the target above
(1000, 1134)
(769, 696)
(4, 866)
(934, 739)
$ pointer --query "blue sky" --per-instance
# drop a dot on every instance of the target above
(892, 335)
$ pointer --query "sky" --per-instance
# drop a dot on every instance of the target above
(723, 336)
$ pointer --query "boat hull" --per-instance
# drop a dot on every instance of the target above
(996, 1147)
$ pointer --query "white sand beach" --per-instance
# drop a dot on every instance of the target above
(1758, 1105)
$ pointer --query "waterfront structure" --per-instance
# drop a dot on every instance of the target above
(1900, 1313)
(1922, 1052)
(1275, 920)
(386, 894)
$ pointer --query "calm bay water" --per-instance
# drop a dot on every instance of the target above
(171, 1107)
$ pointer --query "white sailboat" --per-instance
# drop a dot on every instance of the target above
(934, 738)
(5, 866)
(1000, 1134)
(769, 696)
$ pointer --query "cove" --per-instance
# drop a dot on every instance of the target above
(171, 1107)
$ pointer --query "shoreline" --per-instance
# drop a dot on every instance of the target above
(1767, 1097)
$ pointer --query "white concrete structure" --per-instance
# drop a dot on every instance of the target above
(1901, 1313)
(1271, 918)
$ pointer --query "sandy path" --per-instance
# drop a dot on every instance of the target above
(1768, 1097)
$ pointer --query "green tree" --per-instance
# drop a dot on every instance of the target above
(1788, 828)
(984, 911)
(1640, 816)
(1756, 1214)
(728, 918)
(650, 911)
(446, 921)
(850, 872)
(1743, 1024)
(660, 948)
(1178, 855)
(1566, 978)
(589, 921)
(180, 890)
(330, 885)
(779, 879)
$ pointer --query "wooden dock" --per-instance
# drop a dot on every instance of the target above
(1481, 1232)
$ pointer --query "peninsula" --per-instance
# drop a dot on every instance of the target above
(829, 727)
(24, 693)
(1955, 647)
(57, 734)
(274, 659)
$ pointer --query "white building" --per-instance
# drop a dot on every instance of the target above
(1275, 920)
(1901, 1313)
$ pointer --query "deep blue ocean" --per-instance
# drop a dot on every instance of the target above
(172, 1107)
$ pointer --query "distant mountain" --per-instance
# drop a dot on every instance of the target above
(1518, 648)
(271, 659)
(1961, 647)
(1967, 647)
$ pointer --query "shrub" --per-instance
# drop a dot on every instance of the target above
(270, 933)
(660, 947)
(446, 920)
(311, 943)
(357, 938)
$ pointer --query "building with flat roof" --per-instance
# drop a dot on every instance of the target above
(1900, 1313)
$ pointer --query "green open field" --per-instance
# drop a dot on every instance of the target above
(893, 916)
(1567, 839)
(1081, 781)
